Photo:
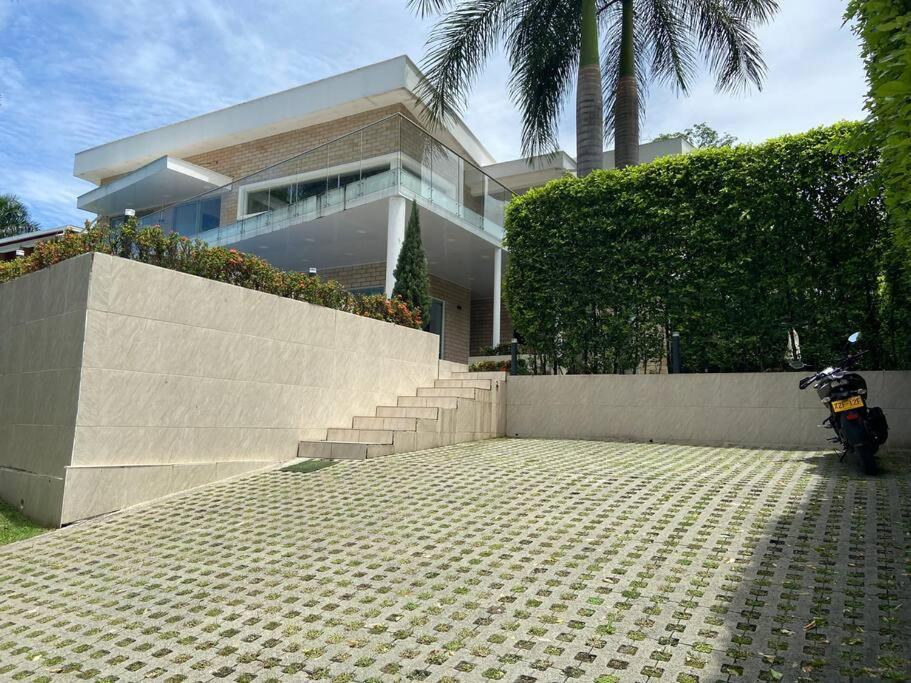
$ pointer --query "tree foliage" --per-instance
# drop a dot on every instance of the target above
(411, 282)
(884, 27)
(14, 216)
(731, 247)
(701, 136)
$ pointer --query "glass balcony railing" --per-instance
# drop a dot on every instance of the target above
(391, 156)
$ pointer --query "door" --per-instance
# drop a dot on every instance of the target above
(434, 323)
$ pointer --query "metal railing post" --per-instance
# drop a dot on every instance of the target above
(514, 360)
(675, 353)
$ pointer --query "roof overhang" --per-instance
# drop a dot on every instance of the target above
(166, 180)
(520, 174)
(393, 81)
(27, 240)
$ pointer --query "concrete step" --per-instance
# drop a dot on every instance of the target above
(457, 392)
(381, 436)
(449, 402)
(399, 424)
(489, 374)
(342, 450)
(427, 413)
(463, 383)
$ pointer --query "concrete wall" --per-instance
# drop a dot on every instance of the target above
(181, 380)
(750, 409)
(42, 321)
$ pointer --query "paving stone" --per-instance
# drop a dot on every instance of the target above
(513, 560)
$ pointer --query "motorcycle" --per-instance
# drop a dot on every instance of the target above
(859, 428)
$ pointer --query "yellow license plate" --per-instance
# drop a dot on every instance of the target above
(847, 404)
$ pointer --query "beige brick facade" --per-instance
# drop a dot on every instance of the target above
(357, 277)
(482, 324)
(456, 318)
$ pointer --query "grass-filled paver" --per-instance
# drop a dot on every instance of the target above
(513, 560)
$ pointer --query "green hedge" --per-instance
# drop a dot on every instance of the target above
(730, 247)
(170, 250)
(884, 27)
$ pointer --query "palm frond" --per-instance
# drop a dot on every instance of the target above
(724, 32)
(672, 53)
(457, 49)
(543, 50)
(426, 8)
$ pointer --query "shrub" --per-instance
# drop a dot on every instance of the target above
(499, 365)
(175, 252)
(730, 247)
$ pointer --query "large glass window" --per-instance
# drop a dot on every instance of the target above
(280, 196)
(188, 219)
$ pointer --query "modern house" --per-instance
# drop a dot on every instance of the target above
(322, 175)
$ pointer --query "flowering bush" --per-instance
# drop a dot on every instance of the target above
(175, 252)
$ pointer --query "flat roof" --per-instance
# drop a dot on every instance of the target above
(393, 81)
(25, 239)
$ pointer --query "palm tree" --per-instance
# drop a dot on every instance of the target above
(548, 42)
(14, 216)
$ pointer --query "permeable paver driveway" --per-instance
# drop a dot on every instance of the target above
(503, 560)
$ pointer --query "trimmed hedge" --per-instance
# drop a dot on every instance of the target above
(884, 27)
(730, 247)
(175, 252)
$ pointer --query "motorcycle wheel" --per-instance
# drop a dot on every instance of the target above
(867, 456)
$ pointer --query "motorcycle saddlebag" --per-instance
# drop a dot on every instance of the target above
(878, 425)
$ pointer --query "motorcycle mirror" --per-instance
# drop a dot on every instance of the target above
(853, 338)
(792, 351)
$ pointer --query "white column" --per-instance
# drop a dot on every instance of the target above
(395, 235)
(497, 277)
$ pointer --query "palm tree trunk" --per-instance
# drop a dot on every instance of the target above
(626, 103)
(589, 97)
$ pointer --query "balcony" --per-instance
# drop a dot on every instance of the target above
(390, 157)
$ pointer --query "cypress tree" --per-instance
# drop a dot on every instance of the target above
(411, 283)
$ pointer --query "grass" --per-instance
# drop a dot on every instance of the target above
(309, 466)
(14, 526)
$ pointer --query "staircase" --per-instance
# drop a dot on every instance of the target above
(467, 406)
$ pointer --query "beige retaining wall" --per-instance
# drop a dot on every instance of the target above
(749, 409)
(180, 381)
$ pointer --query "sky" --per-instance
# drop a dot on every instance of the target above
(78, 73)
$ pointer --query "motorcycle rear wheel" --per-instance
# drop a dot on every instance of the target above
(867, 456)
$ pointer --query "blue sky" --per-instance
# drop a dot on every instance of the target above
(75, 74)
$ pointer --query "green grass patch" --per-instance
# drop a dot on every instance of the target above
(14, 526)
(309, 466)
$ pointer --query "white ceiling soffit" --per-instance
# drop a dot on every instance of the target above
(378, 85)
(164, 181)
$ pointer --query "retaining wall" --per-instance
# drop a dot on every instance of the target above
(123, 382)
(748, 409)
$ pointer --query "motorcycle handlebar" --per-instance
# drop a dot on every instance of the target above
(807, 381)
(846, 363)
